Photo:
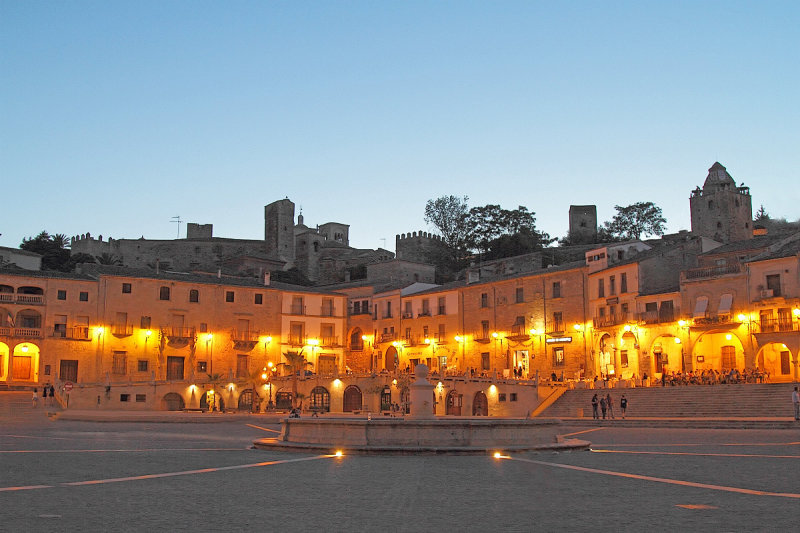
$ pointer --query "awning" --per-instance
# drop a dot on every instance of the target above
(725, 304)
(700, 307)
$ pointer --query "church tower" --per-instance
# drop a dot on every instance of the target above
(721, 210)
(279, 229)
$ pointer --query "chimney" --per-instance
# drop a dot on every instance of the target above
(266, 278)
(219, 273)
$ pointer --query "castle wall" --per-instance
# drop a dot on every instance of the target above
(418, 246)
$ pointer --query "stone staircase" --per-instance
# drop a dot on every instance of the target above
(743, 401)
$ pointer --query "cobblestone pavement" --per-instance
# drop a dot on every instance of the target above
(86, 476)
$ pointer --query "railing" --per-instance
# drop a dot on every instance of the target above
(4, 331)
(656, 317)
(329, 341)
(326, 311)
(771, 325)
(297, 310)
(518, 330)
(27, 332)
(6, 297)
(245, 336)
(481, 336)
(412, 341)
(711, 272)
(424, 312)
(297, 340)
(408, 314)
(388, 315)
(610, 320)
(709, 320)
(30, 299)
(442, 310)
(359, 312)
(180, 333)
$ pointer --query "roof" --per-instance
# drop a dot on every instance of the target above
(19, 251)
(51, 274)
(718, 176)
(759, 241)
(788, 247)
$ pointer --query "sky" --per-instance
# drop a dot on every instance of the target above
(116, 116)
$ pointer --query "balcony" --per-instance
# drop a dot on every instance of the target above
(408, 315)
(610, 320)
(78, 333)
(178, 337)
(713, 320)
(25, 333)
(354, 312)
(6, 297)
(655, 317)
(518, 333)
(122, 330)
(329, 342)
(482, 337)
(297, 340)
(326, 310)
(773, 325)
(711, 272)
(424, 312)
(30, 299)
(411, 340)
(297, 310)
(244, 340)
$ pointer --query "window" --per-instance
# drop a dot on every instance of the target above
(174, 368)
(484, 299)
(126, 288)
(203, 327)
(485, 361)
(388, 313)
(624, 309)
(327, 307)
(425, 331)
(556, 289)
(558, 321)
(202, 367)
(229, 296)
(163, 293)
(68, 370)
(297, 305)
(558, 356)
(623, 358)
(501, 397)
(83, 296)
(258, 299)
(442, 332)
(124, 397)
(601, 288)
(141, 398)
(513, 396)
(442, 306)
(519, 295)
(774, 284)
(484, 329)
(60, 326)
(242, 365)
(120, 363)
(426, 308)
(612, 285)
(142, 365)
(144, 323)
(62, 295)
(623, 283)
(194, 295)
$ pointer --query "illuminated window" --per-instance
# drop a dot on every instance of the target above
(558, 356)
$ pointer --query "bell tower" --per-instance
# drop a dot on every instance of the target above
(721, 210)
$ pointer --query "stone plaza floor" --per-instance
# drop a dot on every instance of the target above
(90, 476)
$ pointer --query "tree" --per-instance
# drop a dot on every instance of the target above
(295, 362)
(499, 232)
(52, 248)
(109, 259)
(447, 214)
(633, 221)
(761, 214)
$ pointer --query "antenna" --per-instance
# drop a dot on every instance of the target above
(383, 240)
(178, 220)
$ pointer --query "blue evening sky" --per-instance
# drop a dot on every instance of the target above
(116, 116)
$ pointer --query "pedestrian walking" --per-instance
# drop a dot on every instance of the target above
(35, 398)
(52, 395)
(610, 402)
(623, 405)
(796, 403)
(595, 415)
(603, 406)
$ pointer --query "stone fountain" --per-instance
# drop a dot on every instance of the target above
(420, 432)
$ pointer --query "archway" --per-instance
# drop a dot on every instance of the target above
(628, 356)
(667, 356)
(356, 340)
(605, 355)
(480, 405)
(352, 399)
(454, 400)
(172, 401)
(25, 362)
(4, 359)
(718, 350)
(320, 399)
(390, 359)
(246, 399)
(775, 358)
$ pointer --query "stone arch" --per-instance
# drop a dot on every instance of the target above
(320, 399)
(776, 358)
(480, 404)
(172, 401)
(356, 341)
(718, 350)
(453, 403)
(628, 356)
(352, 400)
(391, 359)
(666, 355)
(284, 399)
(605, 354)
(246, 399)
(24, 362)
(4, 361)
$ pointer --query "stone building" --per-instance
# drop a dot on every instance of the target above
(582, 223)
(721, 210)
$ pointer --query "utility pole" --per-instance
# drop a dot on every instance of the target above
(177, 219)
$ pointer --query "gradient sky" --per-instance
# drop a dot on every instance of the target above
(117, 116)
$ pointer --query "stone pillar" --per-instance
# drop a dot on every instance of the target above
(420, 394)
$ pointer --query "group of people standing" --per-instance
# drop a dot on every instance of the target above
(48, 395)
(606, 405)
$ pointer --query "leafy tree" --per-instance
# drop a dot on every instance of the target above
(52, 248)
(636, 220)
(448, 214)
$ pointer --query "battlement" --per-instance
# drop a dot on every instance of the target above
(417, 235)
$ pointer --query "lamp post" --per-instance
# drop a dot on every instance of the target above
(368, 340)
(267, 376)
(497, 337)
(313, 343)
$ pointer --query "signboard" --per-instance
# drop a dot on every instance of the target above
(554, 340)
(68, 386)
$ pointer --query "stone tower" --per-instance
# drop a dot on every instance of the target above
(582, 223)
(721, 210)
(279, 229)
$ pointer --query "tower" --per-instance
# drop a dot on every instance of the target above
(582, 223)
(279, 229)
(721, 210)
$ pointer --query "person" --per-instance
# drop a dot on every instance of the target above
(645, 381)
(52, 395)
(610, 402)
(594, 407)
(553, 377)
(623, 405)
(35, 397)
(603, 406)
(44, 395)
(520, 372)
(796, 403)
